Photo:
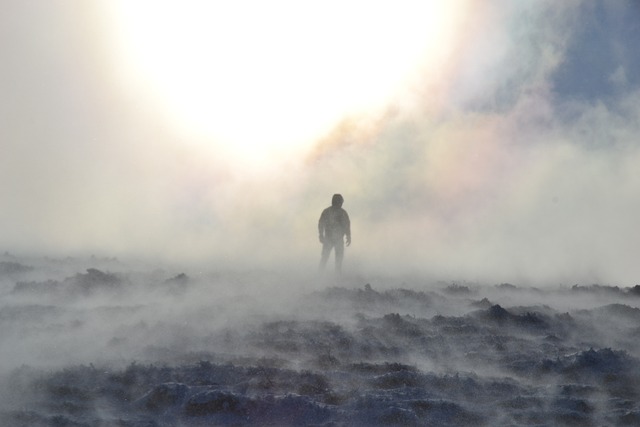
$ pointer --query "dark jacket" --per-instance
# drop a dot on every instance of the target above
(334, 224)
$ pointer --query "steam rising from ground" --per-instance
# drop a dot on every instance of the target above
(491, 164)
(510, 157)
(107, 342)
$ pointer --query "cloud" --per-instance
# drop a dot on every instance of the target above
(506, 182)
(485, 167)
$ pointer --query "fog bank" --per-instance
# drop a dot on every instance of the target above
(510, 157)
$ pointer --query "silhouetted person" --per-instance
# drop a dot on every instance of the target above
(333, 226)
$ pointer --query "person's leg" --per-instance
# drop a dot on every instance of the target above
(326, 250)
(339, 248)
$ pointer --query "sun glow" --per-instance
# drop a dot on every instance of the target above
(258, 79)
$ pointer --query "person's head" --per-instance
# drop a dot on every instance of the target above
(337, 200)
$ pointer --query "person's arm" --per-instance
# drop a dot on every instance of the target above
(347, 227)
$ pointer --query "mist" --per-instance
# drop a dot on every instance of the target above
(504, 160)
(158, 273)
(98, 341)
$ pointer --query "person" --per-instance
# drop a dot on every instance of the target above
(333, 226)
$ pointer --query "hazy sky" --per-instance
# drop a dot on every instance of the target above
(491, 140)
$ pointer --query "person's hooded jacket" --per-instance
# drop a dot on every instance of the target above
(334, 222)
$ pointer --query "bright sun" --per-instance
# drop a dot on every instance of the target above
(262, 78)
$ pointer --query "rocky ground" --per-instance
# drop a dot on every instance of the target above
(98, 342)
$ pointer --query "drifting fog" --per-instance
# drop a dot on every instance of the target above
(144, 346)
(502, 172)
(64, 312)
(513, 158)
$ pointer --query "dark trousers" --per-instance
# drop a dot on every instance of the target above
(338, 247)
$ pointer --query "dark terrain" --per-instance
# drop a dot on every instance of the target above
(103, 343)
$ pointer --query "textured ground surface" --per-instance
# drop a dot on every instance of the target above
(102, 343)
